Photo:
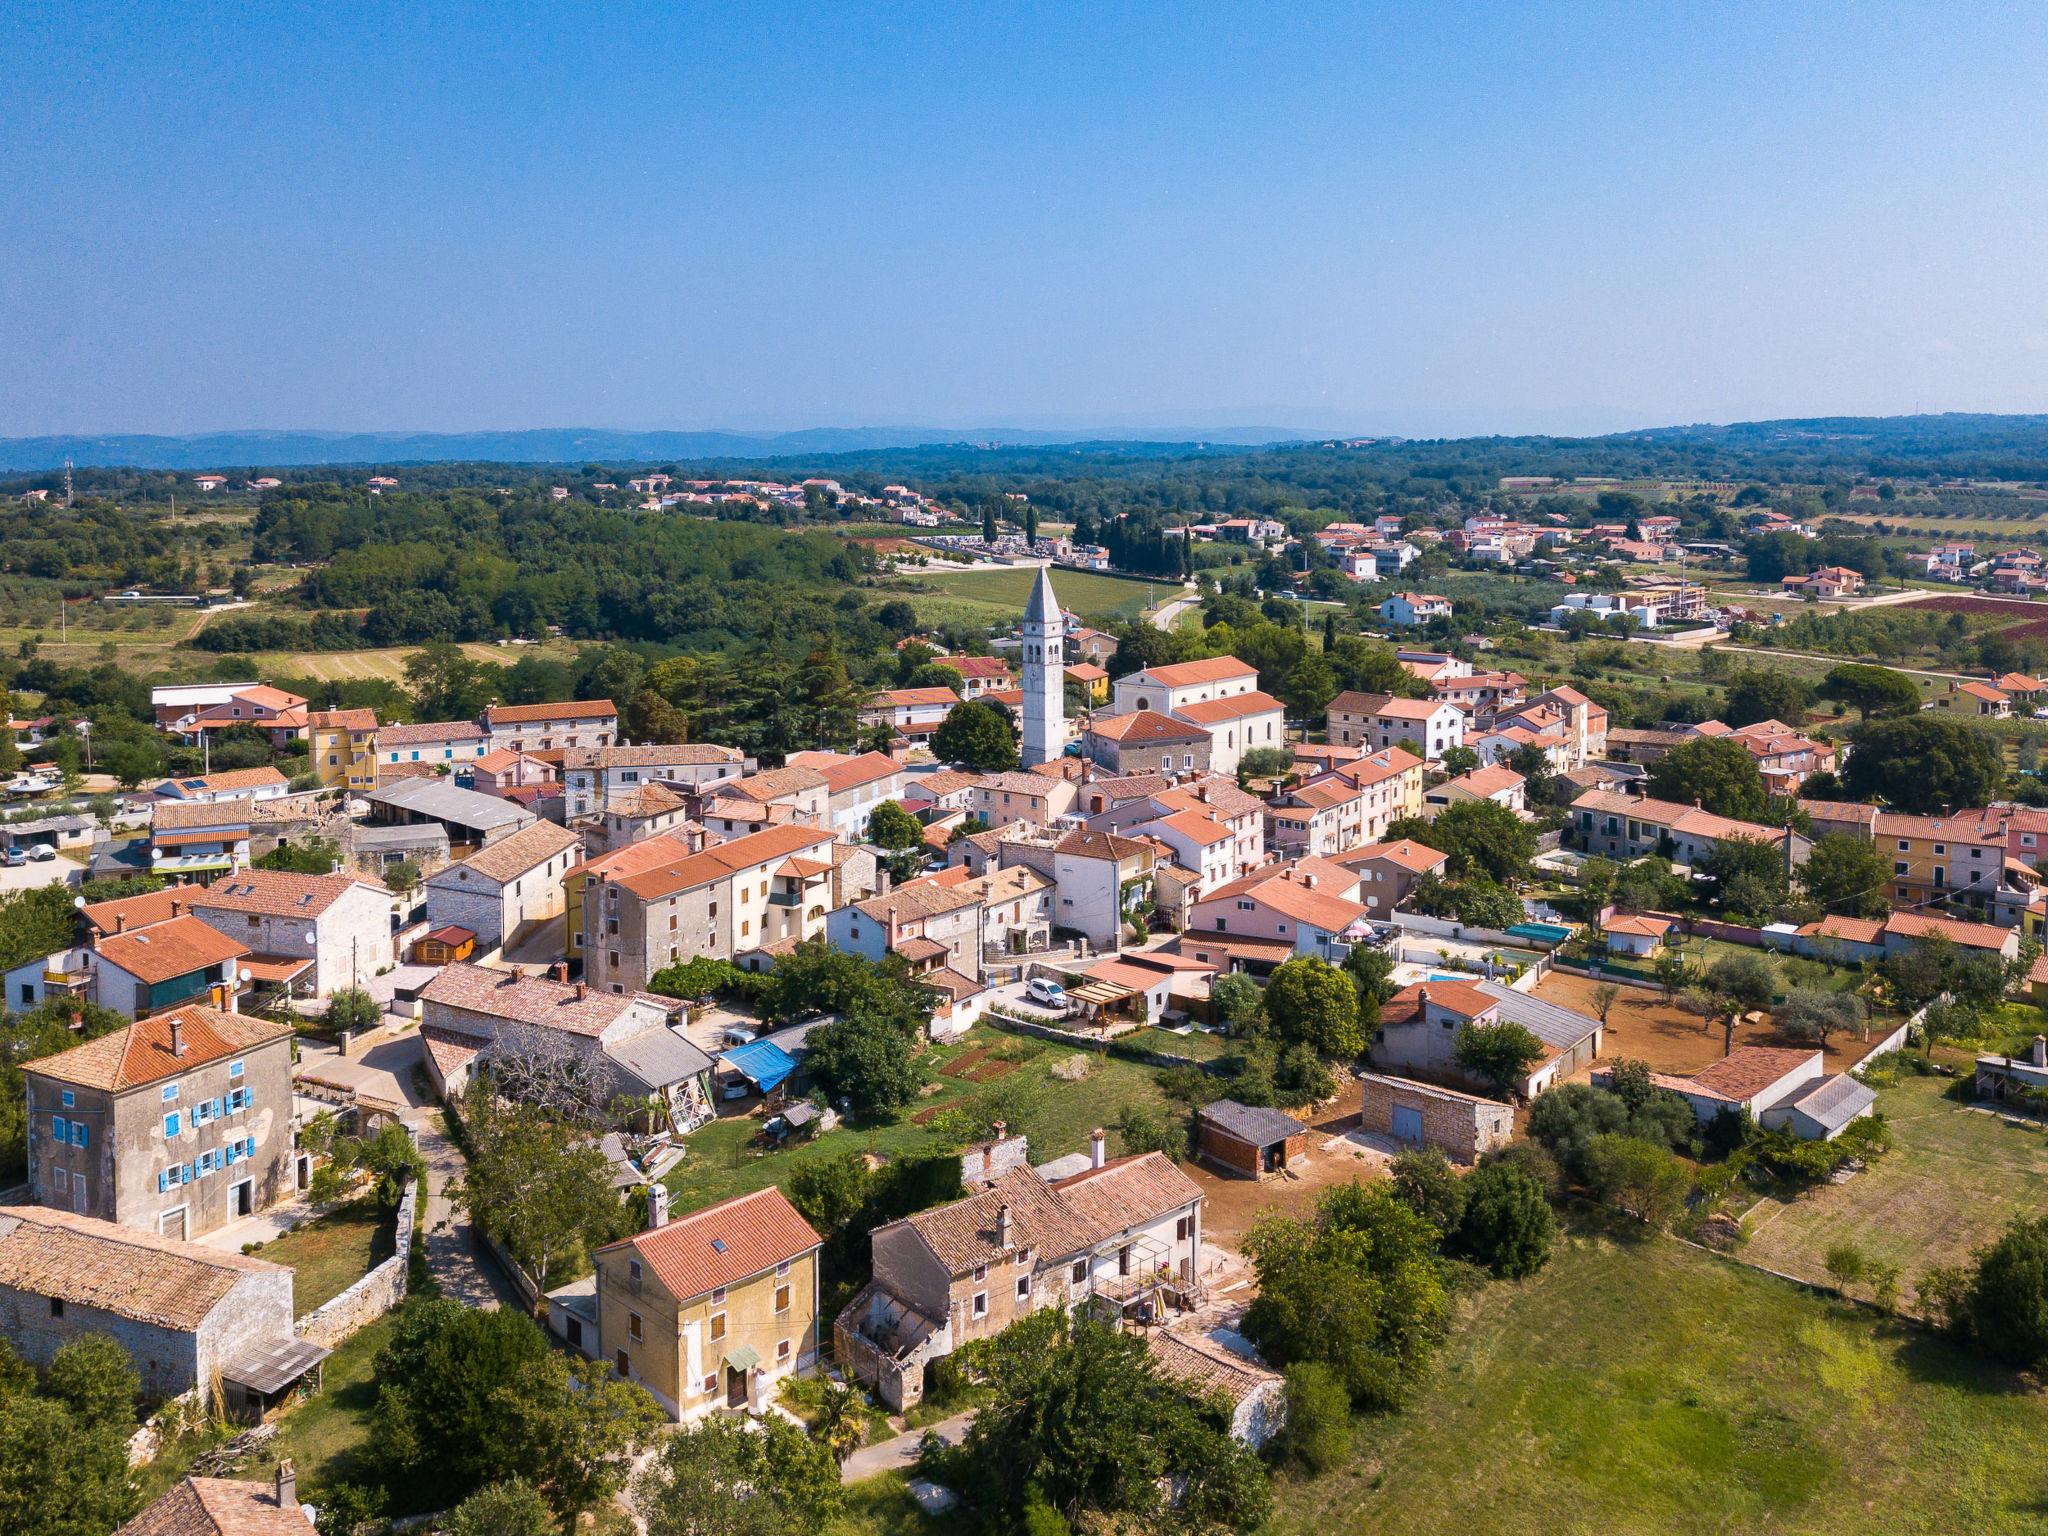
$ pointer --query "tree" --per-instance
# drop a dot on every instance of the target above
(842, 1421)
(1637, 1177)
(865, 1060)
(976, 736)
(1748, 875)
(403, 877)
(1154, 1128)
(1810, 1014)
(576, 1425)
(1428, 1185)
(1755, 695)
(1713, 772)
(1749, 980)
(2004, 1306)
(700, 976)
(829, 1191)
(1846, 876)
(1079, 1419)
(449, 684)
(538, 1186)
(722, 1477)
(1372, 974)
(385, 1159)
(1605, 996)
(1459, 760)
(1480, 837)
(314, 856)
(1499, 1055)
(1357, 1288)
(352, 1010)
(1265, 763)
(1311, 1002)
(890, 826)
(1871, 690)
(1507, 1224)
(1309, 688)
(1237, 1000)
(1846, 1264)
(512, 1508)
(1317, 1431)
(1921, 763)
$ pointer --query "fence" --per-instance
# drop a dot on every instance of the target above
(377, 1292)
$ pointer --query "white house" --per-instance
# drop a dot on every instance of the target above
(504, 888)
(339, 923)
(1171, 688)
(1409, 610)
(591, 776)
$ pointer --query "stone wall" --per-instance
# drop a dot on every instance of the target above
(375, 1294)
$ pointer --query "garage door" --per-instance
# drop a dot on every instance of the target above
(1408, 1125)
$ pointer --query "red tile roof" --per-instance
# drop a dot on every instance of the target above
(140, 1052)
(723, 1244)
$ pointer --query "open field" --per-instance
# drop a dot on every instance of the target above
(1056, 1115)
(1643, 1027)
(1954, 1179)
(388, 664)
(1652, 1388)
(332, 1253)
(997, 596)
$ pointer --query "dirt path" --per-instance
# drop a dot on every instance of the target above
(899, 1452)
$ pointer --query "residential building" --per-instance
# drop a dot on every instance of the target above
(1237, 723)
(1956, 859)
(502, 770)
(711, 1310)
(1387, 872)
(979, 674)
(1093, 681)
(552, 727)
(651, 853)
(912, 713)
(1409, 610)
(649, 811)
(1199, 843)
(1390, 782)
(920, 918)
(1784, 756)
(1419, 1027)
(1496, 782)
(1432, 725)
(185, 1315)
(344, 747)
(1980, 700)
(178, 1123)
(280, 716)
(1635, 934)
(1324, 818)
(728, 901)
(1779, 1088)
(1146, 741)
(225, 1506)
(471, 1013)
(854, 786)
(198, 839)
(736, 807)
(1170, 689)
(1016, 916)
(1126, 1231)
(1311, 905)
(1829, 581)
(1037, 798)
(340, 924)
(591, 776)
(174, 961)
(264, 783)
(403, 749)
(1564, 712)
(508, 887)
(1623, 826)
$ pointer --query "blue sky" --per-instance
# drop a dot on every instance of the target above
(1420, 218)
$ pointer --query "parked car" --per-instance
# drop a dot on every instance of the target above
(12, 858)
(1049, 993)
(41, 851)
(734, 1034)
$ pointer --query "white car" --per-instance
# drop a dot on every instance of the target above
(735, 1035)
(1049, 993)
(41, 851)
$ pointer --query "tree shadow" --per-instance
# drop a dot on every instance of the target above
(1938, 1359)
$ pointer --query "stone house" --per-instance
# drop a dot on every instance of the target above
(342, 924)
(1146, 741)
(552, 727)
(711, 1310)
(592, 775)
(1462, 1126)
(854, 786)
(1038, 798)
(789, 796)
(403, 749)
(177, 1124)
(502, 891)
(223, 1506)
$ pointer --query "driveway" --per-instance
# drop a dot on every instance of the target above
(57, 871)
(899, 1453)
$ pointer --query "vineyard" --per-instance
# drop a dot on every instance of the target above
(2013, 607)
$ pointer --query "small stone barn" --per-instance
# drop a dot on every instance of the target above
(1249, 1142)
(1462, 1126)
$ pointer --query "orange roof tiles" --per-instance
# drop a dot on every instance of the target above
(723, 1244)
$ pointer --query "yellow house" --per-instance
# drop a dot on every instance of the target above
(711, 1310)
(1956, 859)
(1090, 677)
(344, 747)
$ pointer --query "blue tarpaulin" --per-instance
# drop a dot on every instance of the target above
(761, 1062)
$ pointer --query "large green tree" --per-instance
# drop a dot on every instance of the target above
(536, 1183)
(64, 1444)
(1311, 1002)
(1755, 695)
(1871, 690)
(1846, 876)
(976, 736)
(2005, 1307)
(1499, 1054)
(1484, 838)
(865, 1060)
(1923, 763)
(1714, 773)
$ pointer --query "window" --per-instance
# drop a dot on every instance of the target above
(1080, 1271)
(56, 1306)
(981, 1303)
(633, 1324)
(633, 1270)
(1023, 1256)
(234, 1069)
(619, 1360)
(1180, 1229)
(1899, 868)
(63, 1181)
(782, 1269)
(717, 1326)
(1123, 1260)
(781, 1349)
(1023, 1287)
(782, 1298)
(718, 1295)
(710, 1383)
(78, 1136)
(60, 1128)
(171, 1094)
(69, 1098)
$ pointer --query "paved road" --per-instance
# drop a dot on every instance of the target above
(900, 1453)
(1168, 616)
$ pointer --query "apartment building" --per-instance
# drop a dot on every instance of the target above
(1324, 818)
(552, 727)
(344, 743)
(854, 786)
(1621, 826)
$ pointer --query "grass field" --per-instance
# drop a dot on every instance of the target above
(388, 664)
(332, 1253)
(1056, 1115)
(997, 597)
(1954, 1179)
(1652, 1388)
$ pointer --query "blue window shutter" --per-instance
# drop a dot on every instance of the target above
(188, 1173)
(57, 1126)
(171, 1124)
(216, 1109)
(78, 1136)
(163, 1181)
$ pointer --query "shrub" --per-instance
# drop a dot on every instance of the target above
(1637, 1177)
(1507, 1225)
(1317, 1435)
(1428, 1185)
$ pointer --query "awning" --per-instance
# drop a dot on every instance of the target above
(762, 1063)
(745, 1358)
(271, 1367)
(1101, 993)
(276, 970)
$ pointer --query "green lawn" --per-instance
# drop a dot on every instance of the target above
(1656, 1389)
(1954, 1179)
(1055, 1114)
(997, 596)
(332, 1253)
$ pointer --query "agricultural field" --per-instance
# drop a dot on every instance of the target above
(1955, 1177)
(988, 597)
(388, 664)
(986, 1073)
(1639, 1387)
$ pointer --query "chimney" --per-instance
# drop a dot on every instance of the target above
(177, 907)
(657, 1205)
(2040, 1056)
(120, 922)
(177, 1036)
(287, 1484)
(1097, 1147)
(561, 970)
(1003, 1226)
(998, 1130)
(582, 991)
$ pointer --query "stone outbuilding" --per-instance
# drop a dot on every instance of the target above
(1462, 1126)
(1248, 1141)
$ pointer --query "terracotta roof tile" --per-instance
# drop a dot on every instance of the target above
(140, 1053)
(510, 857)
(123, 1270)
(1187, 674)
(527, 714)
(164, 951)
(723, 1244)
(277, 893)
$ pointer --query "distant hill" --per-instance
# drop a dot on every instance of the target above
(550, 445)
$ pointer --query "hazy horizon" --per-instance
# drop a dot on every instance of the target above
(1388, 220)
